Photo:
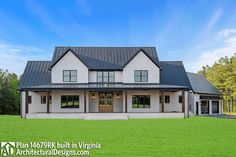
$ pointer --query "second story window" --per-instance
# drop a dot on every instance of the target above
(140, 75)
(69, 76)
(105, 76)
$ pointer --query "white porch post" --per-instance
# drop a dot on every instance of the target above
(199, 108)
(220, 107)
(210, 106)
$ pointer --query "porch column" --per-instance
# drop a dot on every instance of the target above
(210, 106)
(85, 101)
(47, 101)
(220, 107)
(183, 102)
(199, 108)
(162, 102)
(125, 101)
(26, 102)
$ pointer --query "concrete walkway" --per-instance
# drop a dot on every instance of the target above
(103, 116)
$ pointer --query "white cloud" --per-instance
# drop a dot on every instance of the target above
(224, 46)
(14, 57)
(226, 32)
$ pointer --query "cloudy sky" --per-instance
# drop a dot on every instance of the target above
(196, 32)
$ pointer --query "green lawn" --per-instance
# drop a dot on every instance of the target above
(197, 136)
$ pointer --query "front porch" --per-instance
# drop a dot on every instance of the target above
(105, 104)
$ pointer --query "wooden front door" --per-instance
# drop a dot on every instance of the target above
(105, 102)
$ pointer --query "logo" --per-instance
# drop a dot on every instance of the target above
(7, 148)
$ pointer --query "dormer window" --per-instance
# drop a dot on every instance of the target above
(105, 76)
(69, 75)
(140, 75)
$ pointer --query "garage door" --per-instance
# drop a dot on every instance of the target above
(205, 107)
(215, 107)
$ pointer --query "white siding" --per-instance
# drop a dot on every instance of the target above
(93, 76)
(141, 62)
(36, 106)
(69, 62)
(174, 105)
(154, 96)
(118, 76)
(56, 101)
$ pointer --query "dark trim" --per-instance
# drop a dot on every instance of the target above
(162, 102)
(106, 69)
(137, 54)
(183, 102)
(126, 108)
(85, 101)
(69, 49)
(69, 76)
(26, 102)
(48, 102)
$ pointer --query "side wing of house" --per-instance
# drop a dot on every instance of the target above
(204, 97)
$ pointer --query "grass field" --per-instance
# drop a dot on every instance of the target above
(197, 136)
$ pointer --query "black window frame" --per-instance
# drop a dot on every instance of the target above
(101, 77)
(29, 99)
(73, 97)
(70, 75)
(43, 99)
(141, 101)
(180, 99)
(140, 75)
(167, 99)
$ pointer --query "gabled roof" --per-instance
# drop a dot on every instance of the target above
(105, 58)
(173, 73)
(36, 73)
(201, 85)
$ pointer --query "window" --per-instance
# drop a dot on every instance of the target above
(29, 99)
(69, 75)
(70, 101)
(141, 101)
(167, 99)
(140, 75)
(43, 99)
(180, 99)
(105, 76)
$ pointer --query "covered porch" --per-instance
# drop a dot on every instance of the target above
(102, 102)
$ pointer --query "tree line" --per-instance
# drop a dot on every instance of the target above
(222, 74)
(9, 95)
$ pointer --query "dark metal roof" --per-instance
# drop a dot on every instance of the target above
(173, 73)
(38, 76)
(201, 85)
(36, 73)
(99, 58)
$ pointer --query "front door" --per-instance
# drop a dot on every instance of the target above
(105, 102)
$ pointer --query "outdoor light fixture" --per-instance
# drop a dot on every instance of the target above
(93, 96)
(117, 96)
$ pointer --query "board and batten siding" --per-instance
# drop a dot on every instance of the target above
(69, 62)
(93, 76)
(56, 102)
(154, 101)
(141, 62)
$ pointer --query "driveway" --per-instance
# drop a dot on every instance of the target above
(223, 116)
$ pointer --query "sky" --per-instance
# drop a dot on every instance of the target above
(197, 32)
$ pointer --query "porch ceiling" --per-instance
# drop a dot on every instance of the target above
(99, 86)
